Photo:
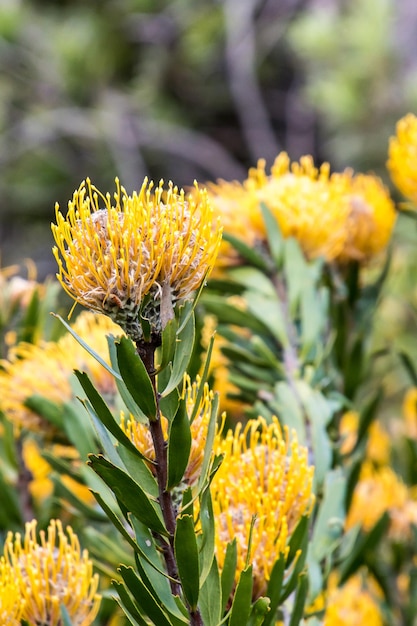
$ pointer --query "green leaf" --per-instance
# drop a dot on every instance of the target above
(367, 416)
(144, 598)
(299, 539)
(128, 606)
(274, 235)
(228, 573)
(66, 621)
(47, 409)
(179, 446)
(129, 402)
(259, 610)
(79, 430)
(210, 597)
(274, 590)
(138, 468)
(228, 314)
(208, 448)
(249, 254)
(130, 493)
(88, 512)
(268, 310)
(103, 412)
(329, 523)
(186, 555)
(169, 338)
(183, 350)
(151, 571)
(364, 548)
(90, 351)
(300, 600)
(409, 366)
(242, 599)
(203, 380)
(135, 377)
(207, 537)
(116, 521)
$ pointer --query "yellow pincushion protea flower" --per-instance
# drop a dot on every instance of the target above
(266, 475)
(45, 369)
(52, 572)
(141, 437)
(11, 600)
(340, 216)
(381, 490)
(402, 157)
(113, 252)
(41, 486)
(353, 603)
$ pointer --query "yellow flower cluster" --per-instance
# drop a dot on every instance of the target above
(352, 604)
(380, 490)
(41, 486)
(265, 475)
(45, 369)
(140, 435)
(402, 157)
(378, 448)
(48, 574)
(340, 216)
(112, 252)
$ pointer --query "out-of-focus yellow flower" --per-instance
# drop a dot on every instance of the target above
(266, 475)
(11, 600)
(378, 447)
(380, 490)
(353, 603)
(112, 252)
(41, 485)
(340, 217)
(410, 412)
(52, 572)
(45, 369)
(402, 156)
(141, 437)
(219, 370)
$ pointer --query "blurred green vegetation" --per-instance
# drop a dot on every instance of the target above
(188, 90)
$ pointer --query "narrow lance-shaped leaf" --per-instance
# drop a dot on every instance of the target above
(242, 599)
(90, 351)
(228, 572)
(144, 598)
(183, 351)
(179, 445)
(103, 412)
(186, 554)
(130, 493)
(135, 377)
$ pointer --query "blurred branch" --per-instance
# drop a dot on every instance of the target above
(123, 131)
(241, 64)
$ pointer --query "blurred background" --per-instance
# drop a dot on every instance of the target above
(188, 90)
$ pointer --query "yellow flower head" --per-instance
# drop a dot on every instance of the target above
(11, 600)
(410, 412)
(378, 447)
(219, 367)
(140, 434)
(266, 475)
(41, 486)
(381, 490)
(112, 252)
(52, 572)
(340, 217)
(402, 157)
(352, 604)
(45, 369)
